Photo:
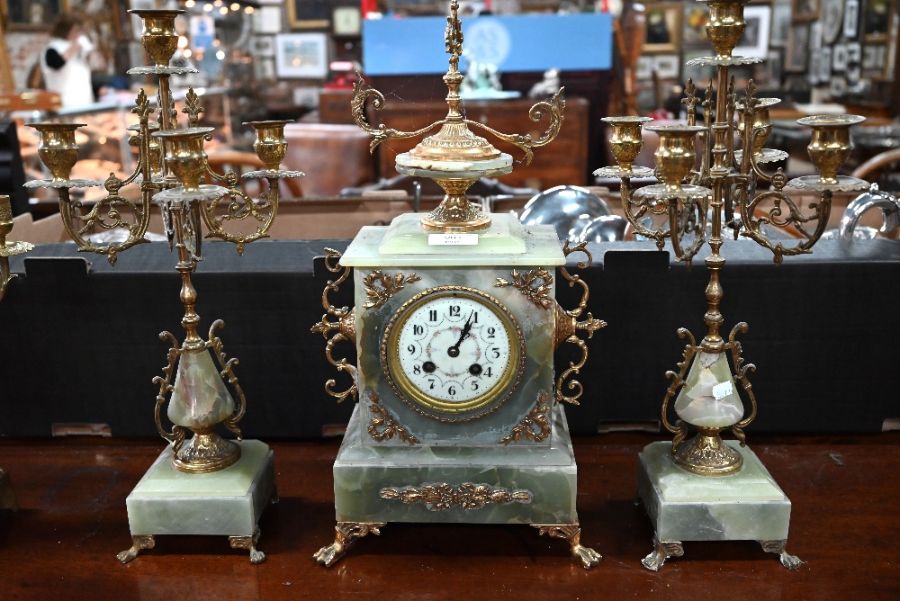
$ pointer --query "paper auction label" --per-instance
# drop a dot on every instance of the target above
(452, 239)
(722, 390)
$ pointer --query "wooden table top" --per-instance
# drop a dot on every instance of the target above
(62, 542)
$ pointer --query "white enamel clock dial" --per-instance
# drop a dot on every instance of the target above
(452, 350)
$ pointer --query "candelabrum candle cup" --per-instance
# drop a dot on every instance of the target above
(270, 144)
(6, 216)
(761, 122)
(159, 37)
(184, 154)
(726, 24)
(830, 144)
(676, 154)
(625, 140)
(58, 149)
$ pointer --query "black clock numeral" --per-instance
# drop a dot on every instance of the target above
(431, 383)
(452, 391)
(432, 315)
(417, 369)
(489, 372)
(455, 310)
(418, 330)
(475, 385)
(475, 317)
(491, 332)
(495, 351)
(412, 349)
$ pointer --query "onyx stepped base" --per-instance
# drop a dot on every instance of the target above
(228, 502)
(374, 486)
(747, 505)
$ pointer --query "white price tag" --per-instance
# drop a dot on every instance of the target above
(722, 390)
(452, 239)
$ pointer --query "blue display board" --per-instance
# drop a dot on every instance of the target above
(415, 45)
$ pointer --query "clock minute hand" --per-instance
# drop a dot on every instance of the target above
(453, 351)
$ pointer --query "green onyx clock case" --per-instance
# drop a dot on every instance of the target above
(458, 417)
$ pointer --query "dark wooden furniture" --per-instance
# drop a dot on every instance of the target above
(61, 544)
(564, 161)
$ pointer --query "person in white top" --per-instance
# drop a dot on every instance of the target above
(64, 62)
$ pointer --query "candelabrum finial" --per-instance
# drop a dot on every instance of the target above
(453, 36)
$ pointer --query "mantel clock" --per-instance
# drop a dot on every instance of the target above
(455, 325)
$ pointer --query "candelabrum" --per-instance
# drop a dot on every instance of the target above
(710, 171)
(171, 170)
(8, 248)
(455, 157)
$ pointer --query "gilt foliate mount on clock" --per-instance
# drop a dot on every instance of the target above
(455, 373)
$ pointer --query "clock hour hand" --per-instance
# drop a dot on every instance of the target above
(453, 351)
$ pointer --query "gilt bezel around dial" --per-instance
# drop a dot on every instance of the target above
(431, 405)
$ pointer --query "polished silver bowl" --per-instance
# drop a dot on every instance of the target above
(563, 207)
(606, 228)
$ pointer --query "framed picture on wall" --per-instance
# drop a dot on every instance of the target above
(851, 19)
(667, 65)
(825, 64)
(309, 14)
(755, 41)
(644, 70)
(838, 87)
(32, 14)
(839, 57)
(832, 20)
(854, 63)
(875, 61)
(663, 28)
(797, 48)
(263, 45)
(877, 20)
(805, 10)
(781, 24)
(301, 55)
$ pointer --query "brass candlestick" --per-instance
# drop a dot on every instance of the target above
(723, 179)
(8, 248)
(455, 157)
(171, 170)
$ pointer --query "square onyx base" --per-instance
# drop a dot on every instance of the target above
(228, 502)
(534, 485)
(746, 505)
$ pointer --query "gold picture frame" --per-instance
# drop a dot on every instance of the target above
(31, 15)
(805, 10)
(662, 33)
(309, 14)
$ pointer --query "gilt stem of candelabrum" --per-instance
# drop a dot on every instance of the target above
(186, 264)
(719, 175)
(165, 119)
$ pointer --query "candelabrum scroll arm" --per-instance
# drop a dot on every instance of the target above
(741, 371)
(785, 213)
(107, 214)
(227, 366)
(524, 142)
(361, 94)
(679, 429)
(177, 435)
(679, 217)
(241, 206)
(635, 210)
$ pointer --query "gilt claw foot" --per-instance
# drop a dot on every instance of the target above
(138, 544)
(660, 553)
